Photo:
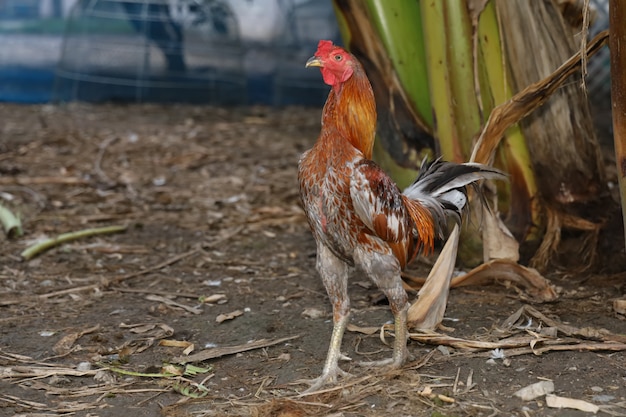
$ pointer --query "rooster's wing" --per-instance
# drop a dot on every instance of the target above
(378, 203)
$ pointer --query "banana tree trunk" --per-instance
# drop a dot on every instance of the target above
(477, 55)
(565, 152)
(397, 71)
(617, 17)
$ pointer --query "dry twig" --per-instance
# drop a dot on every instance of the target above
(230, 350)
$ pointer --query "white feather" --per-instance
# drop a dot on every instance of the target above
(393, 224)
(456, 197)
(362, 198)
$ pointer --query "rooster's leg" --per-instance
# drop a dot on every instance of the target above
(384, 270)
(334, 273)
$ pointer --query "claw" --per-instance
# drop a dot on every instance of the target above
(392, 363)
(395, 362)
(329, 377)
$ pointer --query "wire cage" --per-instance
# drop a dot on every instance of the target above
(308, 21)
(151, 50)
(200, 51)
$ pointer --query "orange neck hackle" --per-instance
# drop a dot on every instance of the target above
(350, 109)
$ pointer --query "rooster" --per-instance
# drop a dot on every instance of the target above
(358, 215)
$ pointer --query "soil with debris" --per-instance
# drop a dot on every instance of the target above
(215, 269)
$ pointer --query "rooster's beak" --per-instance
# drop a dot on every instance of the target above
(314, 62)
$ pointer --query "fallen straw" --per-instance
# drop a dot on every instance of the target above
(39, 247)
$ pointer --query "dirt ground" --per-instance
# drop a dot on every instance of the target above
(216, 254)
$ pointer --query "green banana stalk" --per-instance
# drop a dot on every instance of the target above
(462, 76)
(521, 202)
(438, 69)
(450, 62)
(451, 76)
(376, 32)
(439, 80)
(395, 22)
(441, 65)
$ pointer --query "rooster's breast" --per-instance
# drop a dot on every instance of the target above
(325, 193)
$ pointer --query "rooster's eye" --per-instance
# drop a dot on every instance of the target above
(338, 57)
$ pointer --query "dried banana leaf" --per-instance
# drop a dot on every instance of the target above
(565, 153)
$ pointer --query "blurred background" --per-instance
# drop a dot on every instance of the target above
(225, 52)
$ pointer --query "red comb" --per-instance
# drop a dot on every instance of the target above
(324, 47)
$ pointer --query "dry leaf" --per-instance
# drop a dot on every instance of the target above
(619, 306)
(175, 343)
(428, 310)
(365, 330)
(105, 377)
(138, 328)
(218, 352)
(536, 390)
(312, 313)
(215, 298)
(189, 349)
(554, 401)
(498, 242)
(172, 369)
(173, 303)
(445, 398)
(66, 343)
(161, 328)
(505, 269)
(228, 316)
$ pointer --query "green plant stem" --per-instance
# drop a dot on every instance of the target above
(10, 222)
(40, 247)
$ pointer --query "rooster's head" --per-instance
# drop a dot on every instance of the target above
(336, 64)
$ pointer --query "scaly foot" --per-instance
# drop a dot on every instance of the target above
(331, 367)
(400, 352)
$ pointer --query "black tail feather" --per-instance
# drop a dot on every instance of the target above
(441, 186)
